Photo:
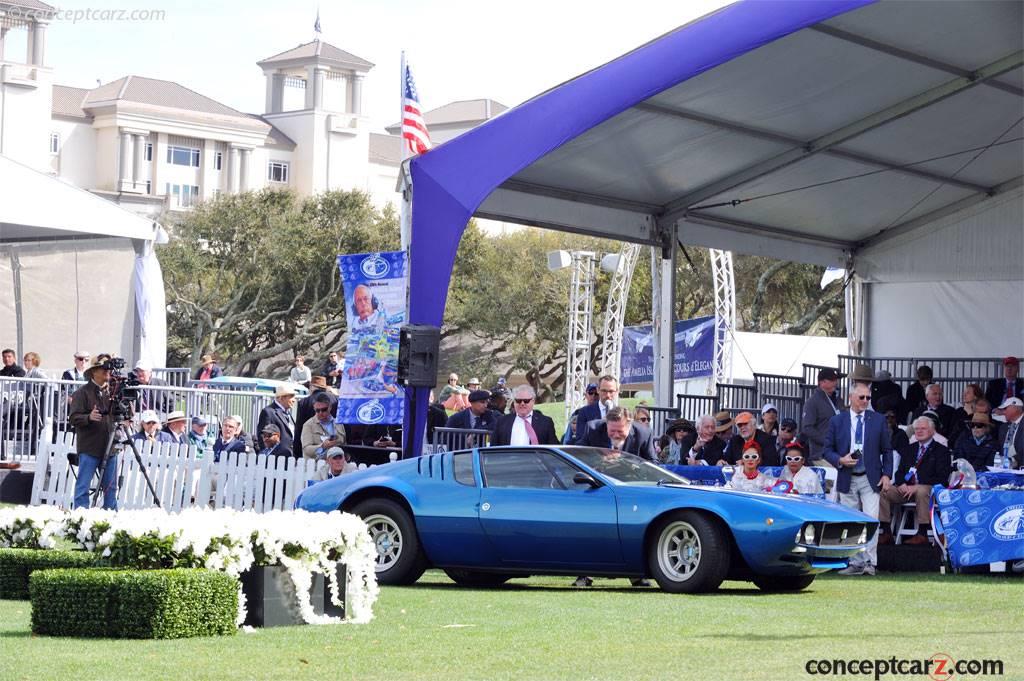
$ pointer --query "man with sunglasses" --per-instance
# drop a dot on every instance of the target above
(321, 433)
(525, 425)
(857, 443)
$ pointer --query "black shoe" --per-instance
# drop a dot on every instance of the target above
(583, 581)
(640, 582)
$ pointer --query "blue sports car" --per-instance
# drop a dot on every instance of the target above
(491, 514)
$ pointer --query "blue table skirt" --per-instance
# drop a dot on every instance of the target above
(981, 526)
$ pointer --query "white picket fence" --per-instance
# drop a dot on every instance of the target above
(181, 478)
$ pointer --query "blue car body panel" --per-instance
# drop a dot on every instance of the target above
(602, 530)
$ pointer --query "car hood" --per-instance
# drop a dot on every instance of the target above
(801, 506)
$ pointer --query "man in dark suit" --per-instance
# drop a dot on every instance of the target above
(747, 426)
(857, 443)
(607, 397)
(525, 425)
(1011, 385)
(915, 391)
(933, 401)
(618, 432)
(821, 406)
(279, 413)
(887, 394)
(478, 416)
(922, 464)
(1011, 433)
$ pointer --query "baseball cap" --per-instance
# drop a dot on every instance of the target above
(473, 381)
(143, 364)
(333, 452)
(828, 374)
(591, 388)
(744, 417)
(479, 396)
(1011, 402)
(199, 421)
(271, 428)
(149, 416)
(1011, 360)
(769, 407)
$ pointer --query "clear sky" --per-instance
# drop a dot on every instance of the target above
(458, 49)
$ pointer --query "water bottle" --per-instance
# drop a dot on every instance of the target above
(1000, 461)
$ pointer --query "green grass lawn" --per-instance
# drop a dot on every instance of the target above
(542, 628)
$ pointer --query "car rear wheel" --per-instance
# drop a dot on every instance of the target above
(400, 558)
(688, 553)
(783, 582)
(484, 580)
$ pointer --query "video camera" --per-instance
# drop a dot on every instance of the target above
(124, 389)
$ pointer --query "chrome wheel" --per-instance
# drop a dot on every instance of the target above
(679, 551)
(387, 538)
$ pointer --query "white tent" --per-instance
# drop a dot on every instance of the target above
(67, 259)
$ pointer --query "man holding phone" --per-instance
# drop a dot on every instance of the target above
(857, 443)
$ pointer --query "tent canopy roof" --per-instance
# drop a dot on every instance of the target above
(38, 207)
(878, 90)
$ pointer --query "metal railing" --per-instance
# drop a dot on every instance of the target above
(734, 396)
(660, 416)
(776, 384)
(692, 407)
(174, 376)
(453, 439)
(789, 407)
(33, 407)
(904, 369)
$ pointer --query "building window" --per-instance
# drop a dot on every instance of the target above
(54, 142)
(149, 151)
(277, 172)
(218, 160)
(183, 156)
(149, 186)
(182, 195)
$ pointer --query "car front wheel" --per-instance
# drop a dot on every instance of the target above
(688, 553)
(400, 558)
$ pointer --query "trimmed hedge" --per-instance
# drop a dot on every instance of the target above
(112, 603)
(17, 564)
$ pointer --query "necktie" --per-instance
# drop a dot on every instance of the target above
(530, 431)
(859, 434)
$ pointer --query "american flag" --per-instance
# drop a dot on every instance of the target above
(414, 128)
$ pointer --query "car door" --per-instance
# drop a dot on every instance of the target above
(535, 516)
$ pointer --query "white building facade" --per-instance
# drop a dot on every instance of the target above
(153, 145)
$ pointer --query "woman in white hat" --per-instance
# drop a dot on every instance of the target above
(770, 419)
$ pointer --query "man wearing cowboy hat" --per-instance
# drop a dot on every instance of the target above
(978, 443)
(279, 413)
(821, 406)
(207, 368)
(93, 423)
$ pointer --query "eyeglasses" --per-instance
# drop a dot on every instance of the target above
(321, 411)
(525, 400)
(794, 459)
(787, 429)
(862, 398)
(643, 419)
(750, 457)
(978, 425)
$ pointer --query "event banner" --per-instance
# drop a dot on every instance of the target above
(693, 356)
(981, 526)
(375, 293)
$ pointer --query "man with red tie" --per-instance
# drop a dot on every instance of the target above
(525, 425)
(922, 464)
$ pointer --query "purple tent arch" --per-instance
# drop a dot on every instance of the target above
(451, 181)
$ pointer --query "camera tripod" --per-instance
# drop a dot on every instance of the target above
(121, 436)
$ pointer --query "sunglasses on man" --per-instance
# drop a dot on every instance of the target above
(524, 400)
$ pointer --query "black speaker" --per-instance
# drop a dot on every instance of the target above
(418, 348)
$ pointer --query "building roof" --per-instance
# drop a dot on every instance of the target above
(386, 149)
(29, 4)
(275, 138)
(465, 112)
(157, 93)
(67, 102)
(318, 50)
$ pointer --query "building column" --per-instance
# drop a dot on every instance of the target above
(139, 142)
(233, 171)
(38, 43)
(277, 93)
(243, 169)
(357, 93)
(3, 37)
(310, 87)
(123, 177)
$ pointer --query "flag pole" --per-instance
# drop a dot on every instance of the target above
(404, 216)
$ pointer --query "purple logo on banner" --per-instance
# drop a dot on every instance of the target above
(694, 351)
(375, 292)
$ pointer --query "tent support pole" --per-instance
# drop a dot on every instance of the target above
(663, 297)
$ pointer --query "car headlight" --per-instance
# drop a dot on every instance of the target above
(809, 533)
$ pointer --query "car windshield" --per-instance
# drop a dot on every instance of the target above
(624, 467)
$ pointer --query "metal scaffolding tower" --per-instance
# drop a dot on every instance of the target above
(615, 315)
(581, 315)
(725, 316)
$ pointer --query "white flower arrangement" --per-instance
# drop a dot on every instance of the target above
(223, 539)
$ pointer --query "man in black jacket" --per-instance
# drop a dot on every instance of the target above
(1011, 385)
(922, 464)
(933, 401)
(279, 413)
(747, 426)
(90, 415)
(525, 425)
(618, 432)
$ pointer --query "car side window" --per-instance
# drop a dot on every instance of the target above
(462, 464)
(526, 469)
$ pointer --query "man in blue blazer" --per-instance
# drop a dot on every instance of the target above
(857, 443)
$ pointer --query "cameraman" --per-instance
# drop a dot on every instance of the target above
(90, 415)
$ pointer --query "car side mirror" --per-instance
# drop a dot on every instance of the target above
(582, 478)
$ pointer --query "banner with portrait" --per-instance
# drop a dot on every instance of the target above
(694, 351)
(375, 287)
